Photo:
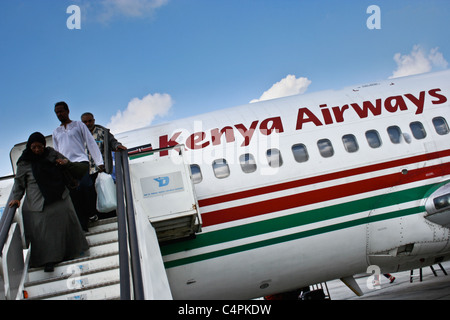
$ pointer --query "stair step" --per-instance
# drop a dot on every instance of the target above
(102, 225)
(102, 238)
(73, 285)
(38, 276)
(101, 222)
(94, 276)
(110, 292)
(102, 250)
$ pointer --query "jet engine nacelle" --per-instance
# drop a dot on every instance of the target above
(437, 206)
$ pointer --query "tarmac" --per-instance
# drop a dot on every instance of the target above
(430, 288)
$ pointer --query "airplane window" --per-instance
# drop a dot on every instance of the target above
(418, 130)
(395, 134)
(350, 143)
(441, 126)
(221, 169)
(196, 173)
(300, 152)
(248, 163)
(325, 148)
(274, 158)
(373, 138)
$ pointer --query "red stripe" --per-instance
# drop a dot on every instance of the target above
(329, 193)
(321, 178)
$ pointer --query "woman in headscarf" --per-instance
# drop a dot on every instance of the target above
(50, 221)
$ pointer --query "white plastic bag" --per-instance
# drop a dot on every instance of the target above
(106, 193)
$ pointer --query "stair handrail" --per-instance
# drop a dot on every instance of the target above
(127, 231)
(6, 222)
(138, 285)
(122, 233)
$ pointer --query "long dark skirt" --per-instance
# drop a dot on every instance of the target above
(55, 233)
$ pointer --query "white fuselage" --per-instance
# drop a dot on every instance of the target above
(348, 192)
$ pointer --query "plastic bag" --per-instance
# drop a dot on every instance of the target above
(106, 193)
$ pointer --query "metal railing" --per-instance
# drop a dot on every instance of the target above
(11, 246)
(127, 232)
(128, 243)
(6, 222)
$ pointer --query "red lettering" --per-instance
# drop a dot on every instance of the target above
(276, 125)
(304, 116)
(216, 135)
(399, 103)
(441, 98)
(195, 139)
(367, 105)
(326, 114)
(418, 102)
(247, 134)
(339, 112)
(164, 143)
(392, 104)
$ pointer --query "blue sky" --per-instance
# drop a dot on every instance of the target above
(138, 62)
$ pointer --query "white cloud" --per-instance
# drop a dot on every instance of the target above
(285, 87)
(141, 112)
(437, 58)
(418, 61)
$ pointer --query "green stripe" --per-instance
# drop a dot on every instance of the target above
(133, 157)
(294, 236)
(294, 220)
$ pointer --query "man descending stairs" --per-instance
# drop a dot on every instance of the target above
(94, 276)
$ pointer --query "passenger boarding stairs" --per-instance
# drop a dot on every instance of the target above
(155, 203)
(94, 276)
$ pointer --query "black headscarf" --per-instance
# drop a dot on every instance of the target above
(48, 176)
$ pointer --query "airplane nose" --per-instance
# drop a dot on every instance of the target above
(437, 206)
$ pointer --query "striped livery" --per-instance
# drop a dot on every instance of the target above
(284, 226)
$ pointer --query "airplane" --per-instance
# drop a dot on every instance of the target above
(308, 188)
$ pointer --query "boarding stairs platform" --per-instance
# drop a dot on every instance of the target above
(155, 203)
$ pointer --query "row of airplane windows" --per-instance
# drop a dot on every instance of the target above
(300, 152)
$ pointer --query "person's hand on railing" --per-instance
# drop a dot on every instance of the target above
(13, 203)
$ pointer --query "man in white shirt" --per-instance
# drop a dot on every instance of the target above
(70, 139)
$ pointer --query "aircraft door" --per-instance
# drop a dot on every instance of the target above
(163, 189)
